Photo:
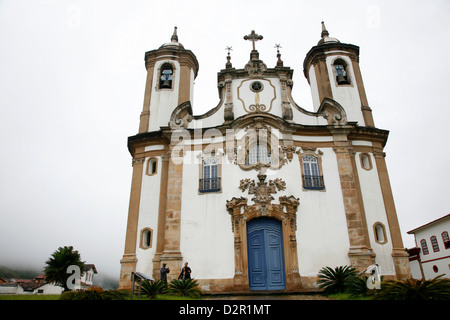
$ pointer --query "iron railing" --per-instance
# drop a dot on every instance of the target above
(313, 182)
(209, 185)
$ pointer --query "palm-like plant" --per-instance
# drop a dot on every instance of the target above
(58, 264)
(184, 287)
(152, 288)
(413, 289)
(335, 280)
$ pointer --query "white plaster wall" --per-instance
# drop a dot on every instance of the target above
(164, 101)
(375, 212)
(148, 217)
(206, 239)
(415, 269)
(248, 96)
(322, 234)
(346, 96)
(49, 289)
(314, 89)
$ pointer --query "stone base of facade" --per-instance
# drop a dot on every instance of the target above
(401, 264)
(128, 265)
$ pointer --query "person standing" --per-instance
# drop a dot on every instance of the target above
(164, 271)
(185, 272)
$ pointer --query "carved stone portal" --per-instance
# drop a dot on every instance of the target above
(285, 211)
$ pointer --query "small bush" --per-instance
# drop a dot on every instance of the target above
(335, 280)
(413, 289)
(152, 288)
(185, 287)
(94, 293)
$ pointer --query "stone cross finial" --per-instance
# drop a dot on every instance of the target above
(253, 37)
(174, 37)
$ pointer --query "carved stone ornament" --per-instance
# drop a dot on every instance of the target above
(255, 68)
(262, 191)
(181, 116)
(333, 112)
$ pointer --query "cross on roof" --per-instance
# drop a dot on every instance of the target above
(253, 37)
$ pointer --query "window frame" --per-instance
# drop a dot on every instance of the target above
(340, 61)
(369, 160)
(159, 75)
(383, 229)
(434, 244)
(142, 243)
(445, 239)
(304, 152)
(424, 246)
(149, 168)
(203, 175)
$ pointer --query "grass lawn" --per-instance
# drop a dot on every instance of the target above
(346, 296)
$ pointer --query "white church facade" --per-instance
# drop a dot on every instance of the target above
(259, 193)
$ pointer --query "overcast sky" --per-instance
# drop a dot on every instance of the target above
(72, 80)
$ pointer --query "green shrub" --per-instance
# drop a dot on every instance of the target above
(152, 288)
(94, 293)
(335, 280)
(413, 289)
(185, 287)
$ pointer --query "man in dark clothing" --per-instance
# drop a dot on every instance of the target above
(164, 271)
(185, 272)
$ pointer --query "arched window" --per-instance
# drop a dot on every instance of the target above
(210, 181)
(423, 244)
(258, 153)
(380, 233)
(311, 174)
(446, 239)
(152, 166)
(165, 79)
(146, 238)
(434, 243)
(340, 70)
(366, 162)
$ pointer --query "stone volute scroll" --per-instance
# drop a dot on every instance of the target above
(181, 116)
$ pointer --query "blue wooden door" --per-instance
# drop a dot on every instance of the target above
(265, 254)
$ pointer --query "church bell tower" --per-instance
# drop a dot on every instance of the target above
(171, 70)
(332, 70)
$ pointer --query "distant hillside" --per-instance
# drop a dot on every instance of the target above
(17, 273)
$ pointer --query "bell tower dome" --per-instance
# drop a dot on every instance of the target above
(171, 70)
(332, 70)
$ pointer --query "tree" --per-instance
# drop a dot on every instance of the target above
(58, 264)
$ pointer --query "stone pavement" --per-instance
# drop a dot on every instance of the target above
(267, 297)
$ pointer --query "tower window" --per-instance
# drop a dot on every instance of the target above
(340, 69)
(210, 181)
(146, 238)
(380, 233)
(165, 79)
(311, 174)
(152, 166)
(366, 162)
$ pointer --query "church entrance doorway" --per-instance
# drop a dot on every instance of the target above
(265, 250)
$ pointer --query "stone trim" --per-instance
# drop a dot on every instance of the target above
(286, 212)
